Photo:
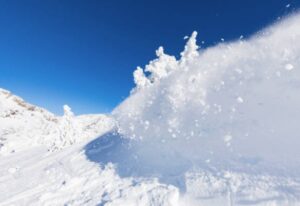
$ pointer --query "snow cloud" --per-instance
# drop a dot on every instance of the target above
(248, 88)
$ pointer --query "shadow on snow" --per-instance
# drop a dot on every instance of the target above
(136, 158)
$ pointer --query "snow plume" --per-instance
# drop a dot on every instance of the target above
(190, 49)
(235, 105)
(164, 64)
(140, 79)
(218, 126)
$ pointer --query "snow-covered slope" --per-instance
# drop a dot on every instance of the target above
(216, 127)
(23, 126)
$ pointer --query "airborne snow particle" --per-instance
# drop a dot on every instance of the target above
(12, 170)
(240, 100)
(278, 74)
(289, 67)
(227, 138)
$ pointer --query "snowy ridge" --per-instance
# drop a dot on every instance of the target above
(23, 126)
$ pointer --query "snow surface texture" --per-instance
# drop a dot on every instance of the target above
(23, 125)
(216, 127)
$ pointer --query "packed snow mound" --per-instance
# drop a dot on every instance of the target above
(235, 105)
(23, 126)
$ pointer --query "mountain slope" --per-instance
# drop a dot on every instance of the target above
(23, 126)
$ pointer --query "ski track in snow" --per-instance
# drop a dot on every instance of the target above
(216, 127)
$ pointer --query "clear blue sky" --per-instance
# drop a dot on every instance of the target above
(83, 52)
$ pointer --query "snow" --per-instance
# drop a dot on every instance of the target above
(231, 88)
(223, 108)
(23, 126)
(219, 126)
(289, 67)
(159, 68)
(240, 100)
(139, 78)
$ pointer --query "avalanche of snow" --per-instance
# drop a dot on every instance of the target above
(219, 126)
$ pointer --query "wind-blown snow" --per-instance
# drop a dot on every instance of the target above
(231, 107)
(235, 105)
(219, 126)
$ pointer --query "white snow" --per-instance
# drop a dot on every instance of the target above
(233, 88)
(240, 100)
(139, 78)
(289, 67)
(216, 127)
(23, 126)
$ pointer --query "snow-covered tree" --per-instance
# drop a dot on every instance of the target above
(68, 111)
